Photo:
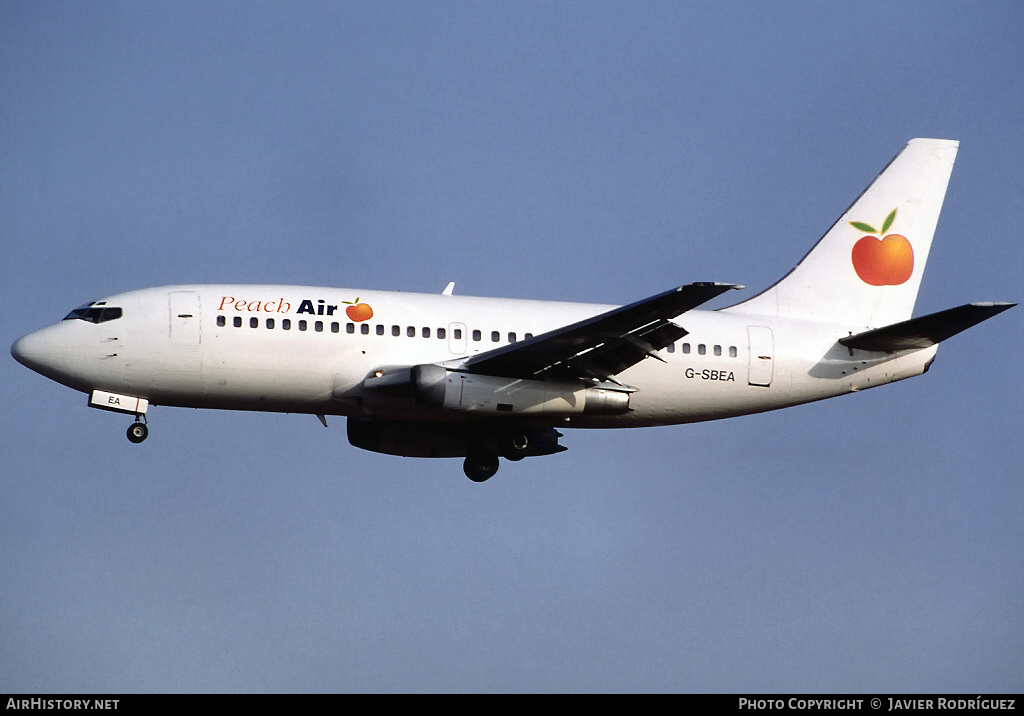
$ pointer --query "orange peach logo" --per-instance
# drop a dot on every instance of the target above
(882, 262)
(358, 311)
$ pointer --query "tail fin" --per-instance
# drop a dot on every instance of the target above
(866, 270)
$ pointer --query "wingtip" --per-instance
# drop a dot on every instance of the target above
(993, 304)
(716, 284)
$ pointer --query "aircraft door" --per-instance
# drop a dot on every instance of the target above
(762, 351)
(184, 318)
(457, 339)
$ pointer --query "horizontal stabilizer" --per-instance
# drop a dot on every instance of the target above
(924, 331)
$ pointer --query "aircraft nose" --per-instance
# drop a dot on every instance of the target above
(26, 350)
(60, 352)
(37, 350)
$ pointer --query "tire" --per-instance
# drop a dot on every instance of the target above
(137, 432)
(480, 465)
(515, 446)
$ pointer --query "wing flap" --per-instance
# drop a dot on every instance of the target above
(924, 331)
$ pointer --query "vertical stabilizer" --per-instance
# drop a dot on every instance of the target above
(866, 270)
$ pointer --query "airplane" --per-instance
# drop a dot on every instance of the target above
(447, 376)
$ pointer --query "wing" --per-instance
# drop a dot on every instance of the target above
(602, 346)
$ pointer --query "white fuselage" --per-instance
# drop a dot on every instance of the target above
(295, 349)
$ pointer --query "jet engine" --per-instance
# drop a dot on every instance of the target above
(422, 439)
(438, 387)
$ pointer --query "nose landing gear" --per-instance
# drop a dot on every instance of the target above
(138, 431)
(124, 404)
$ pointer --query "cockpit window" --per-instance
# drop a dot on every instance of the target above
(94, 313)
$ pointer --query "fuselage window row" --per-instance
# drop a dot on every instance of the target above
(364, 329)
(424, 332)
(702, 349)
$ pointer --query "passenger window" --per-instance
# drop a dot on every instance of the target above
(335, 327)
(365, 329)
(686, 348)
(441, 333)
(286, 324)
(270, 323)
(410, 331)
(528, 336)
(238, 321)
(318, 326)
(302, 325)
(457, 333)
(476, 335)
(732, 351)
(221, 321)
(396, 330)
(671, 348)
(254, 323)
(380, 329)
(702, 349)
(426, 332)
(350, 328)
(495, 336)
(511, 337)
(718, 350)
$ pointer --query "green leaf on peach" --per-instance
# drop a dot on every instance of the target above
(888, 221)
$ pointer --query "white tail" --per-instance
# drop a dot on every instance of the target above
(866, 270)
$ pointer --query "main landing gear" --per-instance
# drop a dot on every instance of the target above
(480, 464)
(138, 431)
(482, 461)
(512, 444)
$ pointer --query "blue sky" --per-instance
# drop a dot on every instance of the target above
(593, 151)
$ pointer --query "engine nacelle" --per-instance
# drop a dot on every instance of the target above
(422, 439)
(438, 387)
